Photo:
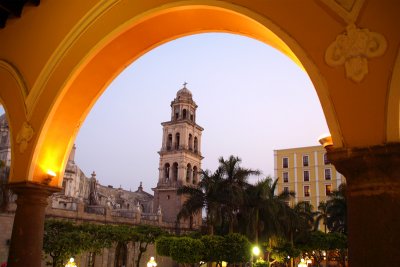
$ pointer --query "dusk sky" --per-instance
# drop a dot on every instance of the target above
(251, 100)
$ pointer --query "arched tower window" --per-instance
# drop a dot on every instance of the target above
(196, 144)
(184, 114)
(166, 171)
(175, 171)
(190, 142)
(169, 142)
(176, 113)
(191, 117)
(177, 136)
(195, 175)
(188, 172)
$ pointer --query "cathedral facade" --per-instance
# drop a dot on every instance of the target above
(84, 199)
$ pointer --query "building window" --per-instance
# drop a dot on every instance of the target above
(176, 113)
(306, 176)
(306, 191)
(286, 189)
(184, 113)
(175, 171)
(188, 172)
(328, 174)
(190, 142)
(177, 137)
(285, 177)
(169, 142)
(326, 160)
(194, 175)
(285, 162)
(305, 161)
(166, 171)
(328, 189)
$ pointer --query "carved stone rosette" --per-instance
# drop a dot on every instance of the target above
(353, 49)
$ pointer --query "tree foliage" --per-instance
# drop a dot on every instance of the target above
(163, 245)
(214, 248)
(186, 250)
(145, 235)
(64, 239)
(236, 248)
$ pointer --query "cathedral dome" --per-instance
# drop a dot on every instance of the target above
(184, 92)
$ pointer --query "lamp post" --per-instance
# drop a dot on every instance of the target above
(255, 251)
(151, 262)
(302, 263)
(71, 263)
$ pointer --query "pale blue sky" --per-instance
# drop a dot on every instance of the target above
(252, 99)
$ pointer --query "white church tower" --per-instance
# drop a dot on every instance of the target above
(180, 156)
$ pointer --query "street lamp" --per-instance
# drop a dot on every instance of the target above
(302, 263)
(71, 263)
(151, 262)
(255, 251)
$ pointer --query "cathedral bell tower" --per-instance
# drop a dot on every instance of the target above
(180, 157)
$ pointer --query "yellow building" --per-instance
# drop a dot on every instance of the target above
(307, 172)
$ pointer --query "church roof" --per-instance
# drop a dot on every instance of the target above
(184, 92)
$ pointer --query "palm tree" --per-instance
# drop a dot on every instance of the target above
(337, 210)
(268, 206)
(203, 196)
(298, 222)
(233, 186)
(321, 215)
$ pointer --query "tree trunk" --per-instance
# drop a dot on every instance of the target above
(141, 250)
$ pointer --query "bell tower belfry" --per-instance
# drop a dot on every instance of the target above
(180, 156)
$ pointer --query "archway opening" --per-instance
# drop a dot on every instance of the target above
(117, 50)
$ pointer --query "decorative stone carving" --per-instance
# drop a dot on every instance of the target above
(25, 134)
(353, 48)
(348, 10)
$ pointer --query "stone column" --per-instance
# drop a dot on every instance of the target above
(373, 203)
(27, 235)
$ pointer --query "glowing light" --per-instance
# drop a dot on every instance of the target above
(71, 263)
(325, 140)
(302, 263)
(256, 251)
(52, 174)
(151, 262)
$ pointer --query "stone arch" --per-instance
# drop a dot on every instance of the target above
(190, 142)
(177, 140)
(393, 105)
(124, 44)
(14, 90)
(175, 171)
(166, 171)
(188, 172)
(195, 175)
(169, 142)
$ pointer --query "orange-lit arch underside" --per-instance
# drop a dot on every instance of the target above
(104, 63)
